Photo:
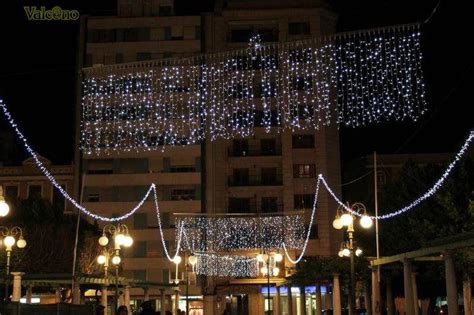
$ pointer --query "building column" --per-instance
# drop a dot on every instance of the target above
(408, 288)
(29, 294)
(162, 302)
(176, 302)
(126, 298)
(415, 293)
(290, 301)
(336, 295)
(276, 302)
(302, 301)
(376, 303)
(57, 295)
(390, 305)
(16, 294)
(367, 298)
(319, 301)
(146, 294)
(467, 295)
(451, 285)
(76, 293)
(103, 299)
(209, 305)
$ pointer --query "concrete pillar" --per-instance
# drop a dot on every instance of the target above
(209, 304)
(390, 305)
(376, 302)
(256, 303)
(57, 295)
(319, 302)
(76, 293)
(336, 295)
(277, 303)
(408, 288)
(302, 301)
(29, 294)
(126, 298)
(146, 294)
(162, 302)
(176, 302)
(415, 293)
(367, 298)
(467, 295)
(16, 294)
(103, 299)
(290, 301)
(451, 285)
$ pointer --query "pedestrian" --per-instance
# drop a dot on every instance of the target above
(122, 310)
(147, 309)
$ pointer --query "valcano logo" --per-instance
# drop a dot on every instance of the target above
(55, 14)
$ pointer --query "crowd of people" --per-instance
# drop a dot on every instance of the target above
(145, 309)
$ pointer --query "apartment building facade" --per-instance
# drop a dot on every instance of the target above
(269, 172)
(113, 183)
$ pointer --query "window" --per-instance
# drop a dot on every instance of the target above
(119, 58)
(11, 192)
(141, 56)
(304, 170)
(240, 35)
(166, 10)
(101, 36)
(35, 191)
(240, 176)
(139, 249)
(140, 221)
(139, 274)
(268, 146)
(183, 194)
(304, 201)
(165, 220)
(269, 176)
(299, 28)
(269, 204)
(243, 34)
(240, 147)
(303, 141)
(99, 166)
(165, 276)
(239, 205)
(132, 166)
(381, 178)
(182, 169)
(167, 33)
(93, 198)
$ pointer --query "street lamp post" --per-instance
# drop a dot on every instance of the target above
(9, 241)
(346, 219)
(270, 268)
(121, 238)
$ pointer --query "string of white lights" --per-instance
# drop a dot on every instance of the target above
(430, 192)
(308, 233)
(350, 79)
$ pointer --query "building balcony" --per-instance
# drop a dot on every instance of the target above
(274, 180)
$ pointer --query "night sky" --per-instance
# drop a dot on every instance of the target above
(38, 65)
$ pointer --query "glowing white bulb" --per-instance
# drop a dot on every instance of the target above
(103, 240)
(120, 239)
(9, 241)
(177, 260)
(101, 259)
(128, 241)
(365, 222)
(21, 243)
(276, 271)
(346, 252)
(192, 260)
(337, 224)
(278, 257)
(264, 270)
(260, 258)
(346, 219)
(340, 253)
(358, 252)
(116, 260)
(4, 208)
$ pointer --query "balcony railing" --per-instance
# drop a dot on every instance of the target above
(267, 180)
(254, 151)
(253, 207)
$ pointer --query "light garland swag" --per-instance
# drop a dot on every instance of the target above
(351, 79)
(184, 226)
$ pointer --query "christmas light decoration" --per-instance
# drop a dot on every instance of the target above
(227, 232)
(211, 264)
(352, 79)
